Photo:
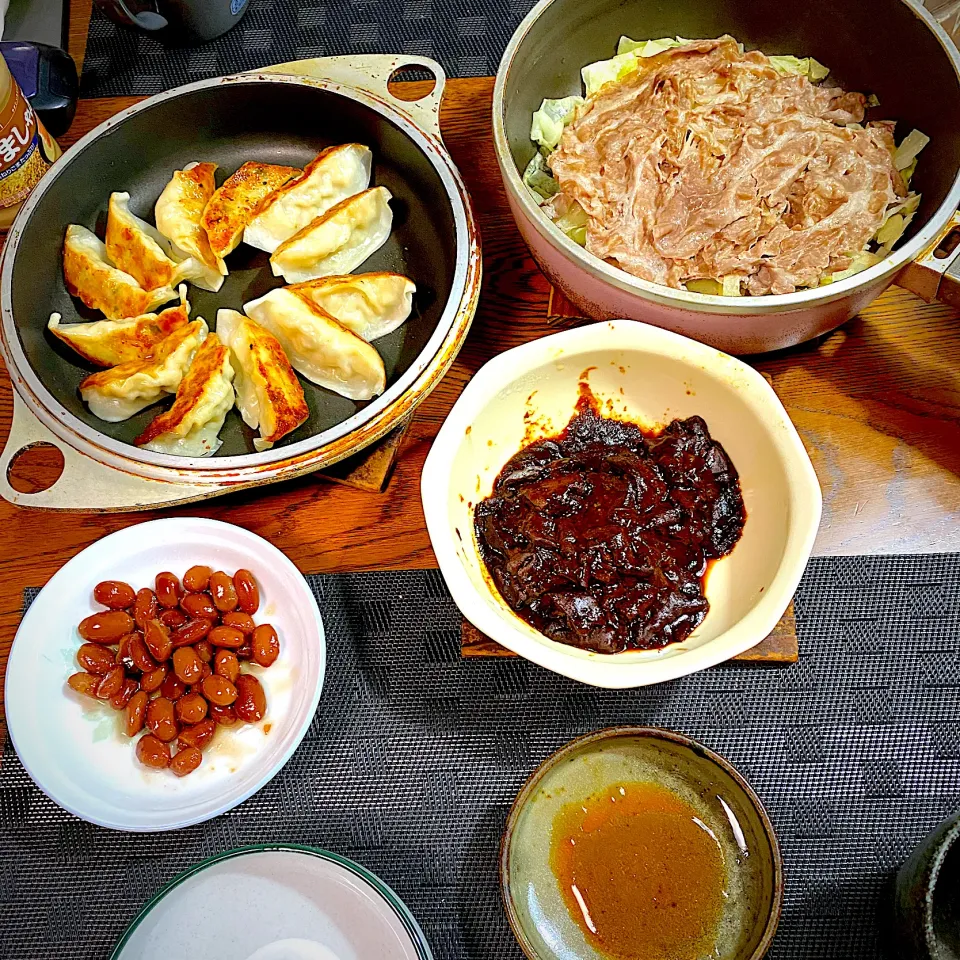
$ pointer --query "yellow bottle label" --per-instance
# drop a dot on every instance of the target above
(26, 149)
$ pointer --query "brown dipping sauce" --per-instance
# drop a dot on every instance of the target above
(600, 537)
(640, 873)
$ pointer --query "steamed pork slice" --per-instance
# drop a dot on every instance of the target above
(120, 392)
(89, 275)
(370, 304)
(233, 205)
(337, 242)
(178, 213)
(332, 176)
(205, 395)
(138, 248)
(319, 347)
(269, 395)
(110, 342)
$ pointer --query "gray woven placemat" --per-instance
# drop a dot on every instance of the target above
(467, 37)
(415, 756)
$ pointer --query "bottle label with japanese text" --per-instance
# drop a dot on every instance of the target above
(26, 149)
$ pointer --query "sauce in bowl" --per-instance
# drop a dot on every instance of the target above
(640, 872)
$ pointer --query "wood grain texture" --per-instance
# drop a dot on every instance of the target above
(78, 28)
(877, 404)
(781, 647)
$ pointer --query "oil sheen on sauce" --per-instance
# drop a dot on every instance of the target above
(641, 874)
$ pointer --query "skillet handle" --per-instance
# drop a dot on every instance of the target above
(370, 73)
(936, 277)
(85, 484)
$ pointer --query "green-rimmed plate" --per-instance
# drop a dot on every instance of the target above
(275, 902)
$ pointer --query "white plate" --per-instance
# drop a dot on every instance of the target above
(297, 903)
(650, 376)
(74, 748)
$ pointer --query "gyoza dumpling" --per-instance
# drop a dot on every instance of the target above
(90, 276)
(269, 395)
(205, 395)
(110, 342)
(370, 304)
(337, 242)
(178, 213)
(120, 392)
(332, 176)
(236, 201)
(323, 350)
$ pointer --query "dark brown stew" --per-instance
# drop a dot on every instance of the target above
(600, 537)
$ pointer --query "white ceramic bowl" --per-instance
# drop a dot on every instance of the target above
(73, 747)
(650, 376)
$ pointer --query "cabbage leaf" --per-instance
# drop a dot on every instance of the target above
(907, 152)
(539, 180)
(803, 66)
(551, 118)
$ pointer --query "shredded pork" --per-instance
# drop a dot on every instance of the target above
(707, 163)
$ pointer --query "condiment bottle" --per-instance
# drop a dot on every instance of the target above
(26, 149)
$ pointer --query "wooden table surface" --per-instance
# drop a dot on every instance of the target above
(877, 404)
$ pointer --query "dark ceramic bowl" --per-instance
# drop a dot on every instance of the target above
(927, 898)
(724, 801)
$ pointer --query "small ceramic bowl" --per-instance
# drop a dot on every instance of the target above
(297, 903)
(650, 376)
(724, 801)
(74, 748)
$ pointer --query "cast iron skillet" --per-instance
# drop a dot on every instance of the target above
(228, 124)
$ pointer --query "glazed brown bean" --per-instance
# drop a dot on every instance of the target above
(145, 607)
(226, 665)
(198, 735)
(136, 713)
(123, 654)
(157, 638)
(111, 683)
(114, 594)
(95, 659)
(120, 699)
(154, 679)
(173, 688)
(224, 716)
(226, 637)
(198, 606)
(191, 632)
(152, 753)
(172, 618)
(187, 665)
(251, 705)
(107, 627)
(239, 621)
(140, 655)
(168, 589)
(220, 691)
(160, 719)
(248, 593)
(191, 708)
(223, 592)
(265, 645)
(186, 761)
(196, 578)
(85, 683)
(204, 651)
(245, 652)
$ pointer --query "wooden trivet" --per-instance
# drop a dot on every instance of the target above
(780, 647)
(372, 468)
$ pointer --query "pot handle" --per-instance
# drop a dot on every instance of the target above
(84, 484)
(370, 73)
(935, 274)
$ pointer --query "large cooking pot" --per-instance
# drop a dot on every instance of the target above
(285, 115)
(893, 48)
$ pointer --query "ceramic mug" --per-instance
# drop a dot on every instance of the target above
(194, 20)
(927, 897)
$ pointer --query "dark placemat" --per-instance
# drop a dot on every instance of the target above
(415, 756)
(466, 36)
